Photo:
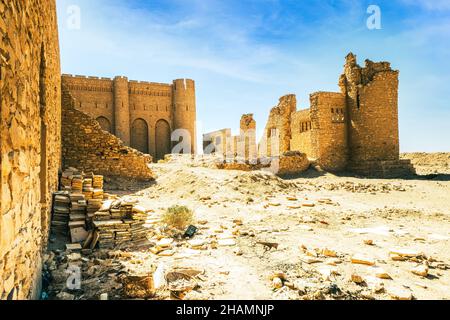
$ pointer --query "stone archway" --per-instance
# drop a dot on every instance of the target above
(105, 124)
(162, 139)
(139, 135)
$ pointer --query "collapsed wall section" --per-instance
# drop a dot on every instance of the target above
(87, 147)
(279, 125)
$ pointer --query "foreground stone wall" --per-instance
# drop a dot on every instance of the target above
(86, 146)
(30, 126)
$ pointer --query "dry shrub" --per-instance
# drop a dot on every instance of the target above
(179, 217)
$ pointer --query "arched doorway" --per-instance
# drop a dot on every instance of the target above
(139, 135)
(104, 124)
(162, 138)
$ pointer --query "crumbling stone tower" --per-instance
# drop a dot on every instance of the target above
(371, 95)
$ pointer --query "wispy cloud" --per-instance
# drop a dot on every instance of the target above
(432, 5)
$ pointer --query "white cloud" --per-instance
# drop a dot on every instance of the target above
(432, 5)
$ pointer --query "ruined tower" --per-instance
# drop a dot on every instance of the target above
(372, 106)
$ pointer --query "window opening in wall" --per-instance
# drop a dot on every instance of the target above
(358, 102)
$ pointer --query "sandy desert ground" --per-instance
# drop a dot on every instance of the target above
(397, 229)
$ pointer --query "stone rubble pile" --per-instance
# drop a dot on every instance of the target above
(83, 211)
(118, 222)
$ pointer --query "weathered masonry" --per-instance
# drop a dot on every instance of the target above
(354, 130)
(30, 140)
(142, 114)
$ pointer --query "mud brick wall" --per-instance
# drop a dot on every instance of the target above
(30, 126)
(87, 147)
(329, 130)
(142, 114)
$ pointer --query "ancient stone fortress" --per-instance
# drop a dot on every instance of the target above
(142, 114)
(353, 130)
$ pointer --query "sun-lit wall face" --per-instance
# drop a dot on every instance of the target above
(30, 141)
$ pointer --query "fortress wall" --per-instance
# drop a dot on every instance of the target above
(301, 132)
(94, 96)
(143, 113)
(149, 103)
(87, 147)
(329, 131)
(30, 136)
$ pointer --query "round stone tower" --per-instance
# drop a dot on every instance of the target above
(184, 112)
(122, 109)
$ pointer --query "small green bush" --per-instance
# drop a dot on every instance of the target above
(179, 217)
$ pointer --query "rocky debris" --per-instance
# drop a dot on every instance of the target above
(74, 206)
(138, 286)
(355, 187)
(293, 162)
(399, 293)
(420, 270)
(360, 259)
(380, 273)
(357, 278)
(123, 224)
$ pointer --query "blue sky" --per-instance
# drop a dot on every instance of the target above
(245, 54)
